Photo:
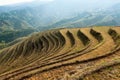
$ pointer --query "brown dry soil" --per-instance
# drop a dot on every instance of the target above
(91, 53)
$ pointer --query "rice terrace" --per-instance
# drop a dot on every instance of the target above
(90, 53)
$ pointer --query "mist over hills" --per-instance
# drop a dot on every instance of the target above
(40, 15)
(37, 16)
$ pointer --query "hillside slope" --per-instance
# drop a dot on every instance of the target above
(91, 18)
(64, 54)
(20, 20)
(52, 15)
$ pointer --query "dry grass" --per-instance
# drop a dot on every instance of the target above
(64, 54)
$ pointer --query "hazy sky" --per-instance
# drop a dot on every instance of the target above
(78, 2)
(8, 2)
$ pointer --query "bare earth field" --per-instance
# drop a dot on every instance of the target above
(91, 53)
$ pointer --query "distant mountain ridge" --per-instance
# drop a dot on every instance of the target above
(107, 17)
(45, 16)
(40, 16)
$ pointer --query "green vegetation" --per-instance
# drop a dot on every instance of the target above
(70, 35)
(115, 35)
(82, 36)
(9, 36)
(97, 35)
(2, 44)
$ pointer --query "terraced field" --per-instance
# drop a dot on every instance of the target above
(64, 54)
